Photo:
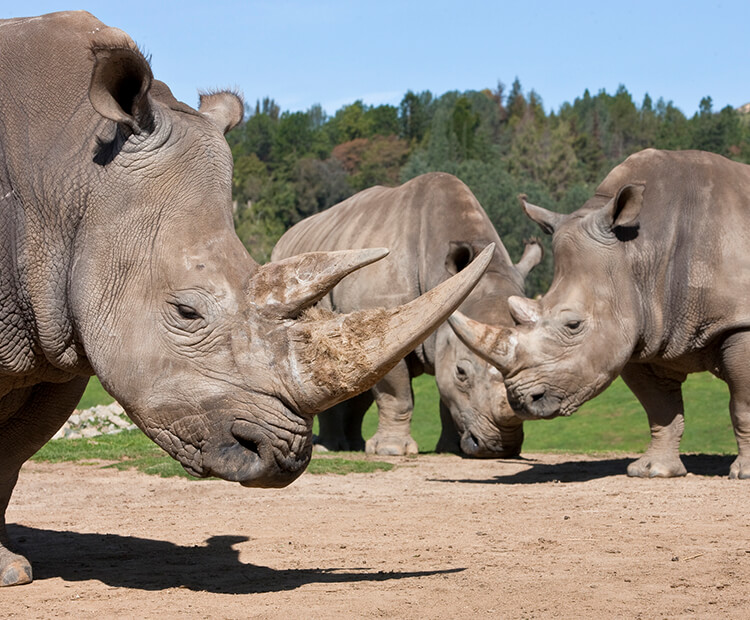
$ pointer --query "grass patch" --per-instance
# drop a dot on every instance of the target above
(94, 395)
(346, 463)
(133, 450)
(125, 450)
(614, 421)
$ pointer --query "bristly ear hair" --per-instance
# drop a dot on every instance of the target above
(224, 108)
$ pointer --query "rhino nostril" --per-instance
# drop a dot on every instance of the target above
(537, 396)
(248, 444)
(469, 444)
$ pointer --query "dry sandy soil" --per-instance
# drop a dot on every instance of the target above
(550, 536)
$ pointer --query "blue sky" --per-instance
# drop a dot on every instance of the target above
(334, 52)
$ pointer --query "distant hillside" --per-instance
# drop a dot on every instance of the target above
(744, 109)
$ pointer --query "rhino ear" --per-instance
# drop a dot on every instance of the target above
(619, 217)
(283, 289)
(460, 254)
(548, 221)
(533, 253)
(224, 109)
(119, 87)
(627, 205)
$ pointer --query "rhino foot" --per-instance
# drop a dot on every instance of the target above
(15, 570)
(740, 469)
(651, 466)
(391, 445)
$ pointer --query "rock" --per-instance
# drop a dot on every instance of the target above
(95, 421)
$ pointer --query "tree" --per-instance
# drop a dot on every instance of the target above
(318, 185)
(381, 120)
(464, 125)
(414, 115)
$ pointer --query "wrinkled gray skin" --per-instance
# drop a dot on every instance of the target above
(118, 257)
(652, 281)
(433, 226)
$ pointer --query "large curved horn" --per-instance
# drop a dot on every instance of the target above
(285, 288)
(337, 357)
(495, 344)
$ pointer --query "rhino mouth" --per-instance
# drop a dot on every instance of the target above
(269, 459)
(504, 445)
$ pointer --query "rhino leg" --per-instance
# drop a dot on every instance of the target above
(449, 440)
(661, 397)
(395, 401)
(735, 354)
(14, 569)
(340, 427)
(28, 418)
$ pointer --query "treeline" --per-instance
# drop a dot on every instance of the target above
(289, 165)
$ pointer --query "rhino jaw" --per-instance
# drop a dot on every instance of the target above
(267, 448)
(505, 445)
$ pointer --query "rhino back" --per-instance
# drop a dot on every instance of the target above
(690, 258)
(419, 222)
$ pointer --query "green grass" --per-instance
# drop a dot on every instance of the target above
(612, 422)
(94, 395)
(346, 463)
(133, 450)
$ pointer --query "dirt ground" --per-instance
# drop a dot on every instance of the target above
(550, 536)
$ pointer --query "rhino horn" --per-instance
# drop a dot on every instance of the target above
(338, 356)
(285, 288)
(495, 344)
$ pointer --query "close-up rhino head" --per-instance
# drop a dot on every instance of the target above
(134, 272)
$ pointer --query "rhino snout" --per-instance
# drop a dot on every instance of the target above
(255, 455)
(534, 403)
(270, 461)
(507, 445)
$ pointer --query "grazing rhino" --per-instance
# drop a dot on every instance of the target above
(652, 281)
(118, 257)
(434, 226)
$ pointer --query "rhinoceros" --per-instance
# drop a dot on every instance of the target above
(118, 257)
(651, 281)
(434, 226)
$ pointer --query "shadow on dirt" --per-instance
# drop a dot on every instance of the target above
(144, 564)
(582, 471)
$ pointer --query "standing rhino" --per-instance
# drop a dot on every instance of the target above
(652, 281)
(434, 226)
(118, 257)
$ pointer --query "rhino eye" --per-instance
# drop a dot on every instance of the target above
(573, 326)
(188, 313)
(461, 373)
